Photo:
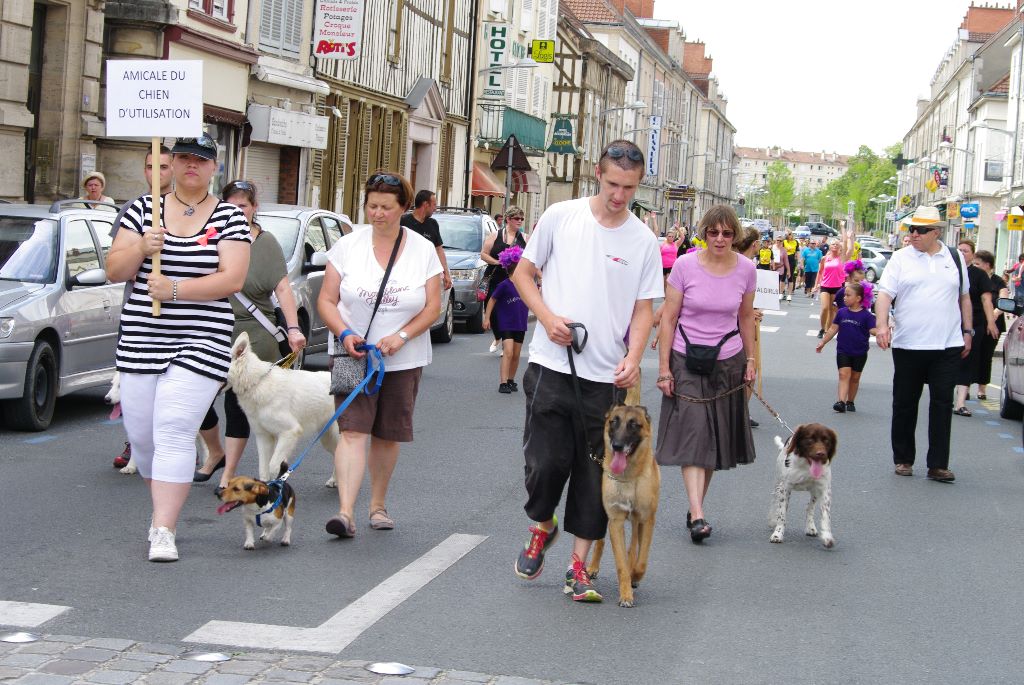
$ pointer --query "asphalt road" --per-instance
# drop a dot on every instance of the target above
(918, 589)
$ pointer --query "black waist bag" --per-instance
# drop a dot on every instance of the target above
(700, 359)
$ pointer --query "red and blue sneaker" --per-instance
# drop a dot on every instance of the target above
(578, 583)
(531, 560)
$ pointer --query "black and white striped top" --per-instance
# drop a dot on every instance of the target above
(195, 335)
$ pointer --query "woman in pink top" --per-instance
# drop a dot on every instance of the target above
(831, 276)
(710, 296)
(668, 253)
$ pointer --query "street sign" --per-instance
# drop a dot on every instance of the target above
(969, 210)
(511, 156)
(653, 145)
(562, 138)
(154, 98)
(890, 216)
(338, 28)
(543, 51)
(497, 42)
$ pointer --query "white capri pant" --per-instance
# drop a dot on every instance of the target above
(162, 414)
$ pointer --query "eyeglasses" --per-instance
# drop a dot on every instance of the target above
(921, 230)
(617, 152)
(516, 218)
(389, 179)
(714, 233)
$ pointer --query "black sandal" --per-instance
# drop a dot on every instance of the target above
(699, 530)
(963, 411)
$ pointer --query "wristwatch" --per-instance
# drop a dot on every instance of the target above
(968, 331)
(403, 335)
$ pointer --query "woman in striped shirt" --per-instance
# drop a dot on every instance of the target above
(172, 366)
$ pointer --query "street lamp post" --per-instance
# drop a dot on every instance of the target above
(635, 106)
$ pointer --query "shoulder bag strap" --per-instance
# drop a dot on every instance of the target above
(384, 281)
(251, 307)
(955, 254)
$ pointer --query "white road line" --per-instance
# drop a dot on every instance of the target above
(769, 329)
(28, 614)
(774, 312)
(812, 333)
(345, 626)
(814, 316)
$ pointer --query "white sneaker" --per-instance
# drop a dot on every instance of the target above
(494, 347)
(152, 533)
(789, 298)
(162, 547)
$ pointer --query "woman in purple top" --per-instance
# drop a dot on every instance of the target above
(510, 320)
(710, 296)
(854, 324)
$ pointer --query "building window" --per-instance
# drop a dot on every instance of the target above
(219, 9)
(395, 29)
(280, 26)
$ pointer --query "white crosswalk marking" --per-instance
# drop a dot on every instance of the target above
(348, 624)
(813, 316)
(774, 312)
(28, 614)
(812, 333)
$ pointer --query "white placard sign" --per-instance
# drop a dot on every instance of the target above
(154, 98)
(767, 294)
(653, 145)
(338, 28)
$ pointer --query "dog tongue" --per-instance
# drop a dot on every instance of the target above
(619, 462)
(226, 507)
(816, 469)
(115, 413)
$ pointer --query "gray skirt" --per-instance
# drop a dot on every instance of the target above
(711, 435)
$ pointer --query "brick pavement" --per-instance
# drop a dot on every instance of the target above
(75, 660)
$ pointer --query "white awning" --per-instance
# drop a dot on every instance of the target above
(287, 79)
(525, 182)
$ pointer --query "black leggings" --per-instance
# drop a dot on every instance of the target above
(237, 423)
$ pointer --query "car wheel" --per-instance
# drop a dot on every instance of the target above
(475, 323)
(445, 332)
(871, 275)
(1008, 408)
(34, 411)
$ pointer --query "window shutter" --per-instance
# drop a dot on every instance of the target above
(552, 30)
(526, 20)
(291, 37)
(270, 25)
(537, 96)
(522, 90)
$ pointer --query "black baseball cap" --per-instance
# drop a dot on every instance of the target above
(204, 146)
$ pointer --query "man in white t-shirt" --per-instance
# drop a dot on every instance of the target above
(602, 268)
(929, 282)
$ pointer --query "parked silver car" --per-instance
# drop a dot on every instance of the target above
(464, 232)
(306, 234)
(874, 259)
(58, 314)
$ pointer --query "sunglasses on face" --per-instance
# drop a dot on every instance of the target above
(616, 152)
(714, 233)
(516, 218)
(921, 230)
(384, 178)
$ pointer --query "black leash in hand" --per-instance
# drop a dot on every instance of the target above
(577, 346)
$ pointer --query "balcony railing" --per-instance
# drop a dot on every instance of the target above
(498, 122)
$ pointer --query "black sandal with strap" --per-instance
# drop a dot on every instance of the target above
(699, 530)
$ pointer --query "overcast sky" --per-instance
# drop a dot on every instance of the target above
(821, 74)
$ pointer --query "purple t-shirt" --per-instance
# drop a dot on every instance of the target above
(510, 312)
(854, 331)
(711, 304)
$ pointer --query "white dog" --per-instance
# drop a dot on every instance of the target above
(283, 406)
(113, 398)
(805, 463)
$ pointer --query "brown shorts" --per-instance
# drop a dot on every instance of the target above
(387, 414)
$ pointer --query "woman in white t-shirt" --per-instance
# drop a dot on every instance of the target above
(409, 305)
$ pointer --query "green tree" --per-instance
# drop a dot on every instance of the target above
(780, 187)
(866, 177)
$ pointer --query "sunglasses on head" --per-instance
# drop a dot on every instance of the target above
(202, 141)
(240, 185)
(921, 230)
(616, 152)
(714, 233)
(389, 179)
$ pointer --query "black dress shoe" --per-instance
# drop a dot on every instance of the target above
(200, 477)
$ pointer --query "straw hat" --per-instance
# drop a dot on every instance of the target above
(98, 175)
(923, 216)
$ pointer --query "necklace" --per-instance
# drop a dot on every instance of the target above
(190, 209)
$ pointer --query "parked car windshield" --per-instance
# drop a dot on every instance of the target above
(28, 249)
(460, 232)
(284, 228)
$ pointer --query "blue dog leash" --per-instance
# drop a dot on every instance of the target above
(369, 385)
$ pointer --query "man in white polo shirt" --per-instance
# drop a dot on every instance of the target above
(930, 286)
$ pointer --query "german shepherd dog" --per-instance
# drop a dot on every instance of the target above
(629, 489)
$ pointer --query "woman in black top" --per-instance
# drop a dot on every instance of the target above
(511, 234)
(986, 261)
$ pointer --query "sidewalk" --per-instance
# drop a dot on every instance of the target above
(72, 660)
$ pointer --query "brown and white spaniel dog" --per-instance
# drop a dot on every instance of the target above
(805, 463)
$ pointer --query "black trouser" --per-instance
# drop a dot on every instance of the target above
(914, 368)
(554, 453)
(237, 423)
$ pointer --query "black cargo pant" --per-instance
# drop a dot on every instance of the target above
(912, 369)
(555, 453)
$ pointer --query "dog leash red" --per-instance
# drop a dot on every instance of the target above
(774, 413)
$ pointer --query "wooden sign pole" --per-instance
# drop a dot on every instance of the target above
(757, 359)
(155, 188)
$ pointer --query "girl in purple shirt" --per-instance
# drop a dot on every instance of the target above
(510, 320)
(854, 325)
